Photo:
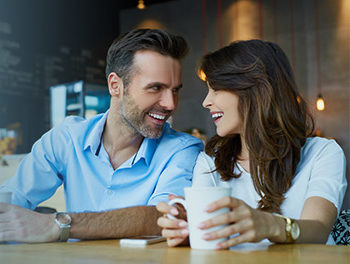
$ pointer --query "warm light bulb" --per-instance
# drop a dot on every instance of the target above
(320, 103)
(141, 5)
(202, 75)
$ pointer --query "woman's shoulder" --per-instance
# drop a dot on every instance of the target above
(317, 150)
(204, 162)
(316, 145)
(204, 158)
(203, 174)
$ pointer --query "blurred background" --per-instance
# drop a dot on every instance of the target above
(56, 49)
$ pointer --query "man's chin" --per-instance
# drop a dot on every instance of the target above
(152, 133)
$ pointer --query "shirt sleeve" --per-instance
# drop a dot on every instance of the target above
(328, 178)
(177, 174)
(38, 175)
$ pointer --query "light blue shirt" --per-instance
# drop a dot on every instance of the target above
(72, 154)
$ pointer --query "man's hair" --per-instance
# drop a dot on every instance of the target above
(121, 53)
(275, 119)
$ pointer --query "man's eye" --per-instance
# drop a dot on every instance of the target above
(176, 90)
(155, 88)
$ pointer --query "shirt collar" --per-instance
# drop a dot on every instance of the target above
(146, 150)
(148, 146)
(93, 140)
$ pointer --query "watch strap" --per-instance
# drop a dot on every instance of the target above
(64, 227)
(288, 228)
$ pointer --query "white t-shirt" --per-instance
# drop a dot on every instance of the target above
(320, 172)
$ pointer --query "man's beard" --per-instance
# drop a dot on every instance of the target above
(134, 118)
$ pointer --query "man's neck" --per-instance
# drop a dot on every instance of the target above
(119, 141)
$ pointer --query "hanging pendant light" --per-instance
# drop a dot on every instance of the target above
(320, 105)
(141, 5)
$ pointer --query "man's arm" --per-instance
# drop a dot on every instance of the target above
(125, 222)
(23, 225)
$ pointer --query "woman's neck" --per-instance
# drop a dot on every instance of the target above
(243, 158)
(244, 155)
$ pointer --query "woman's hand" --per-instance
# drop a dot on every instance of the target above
(175, 231)
(246, 223)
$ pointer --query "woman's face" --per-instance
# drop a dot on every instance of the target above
(223, 107)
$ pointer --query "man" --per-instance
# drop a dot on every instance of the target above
(115, 167)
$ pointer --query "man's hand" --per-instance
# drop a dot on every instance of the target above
(23, 225)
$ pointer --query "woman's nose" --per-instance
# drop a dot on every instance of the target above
(206, 102)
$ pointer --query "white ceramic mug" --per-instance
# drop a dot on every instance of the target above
(197, 199)
(5, 197)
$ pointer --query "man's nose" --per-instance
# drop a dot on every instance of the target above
(168, 100)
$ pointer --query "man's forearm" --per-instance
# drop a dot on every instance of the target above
(125, 222)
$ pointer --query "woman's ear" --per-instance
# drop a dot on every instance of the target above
(115, 84)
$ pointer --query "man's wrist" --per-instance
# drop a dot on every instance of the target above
(54, 230)
(63, 221)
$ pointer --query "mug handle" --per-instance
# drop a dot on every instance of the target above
(174, 201)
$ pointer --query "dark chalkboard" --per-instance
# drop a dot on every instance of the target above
(44, 43)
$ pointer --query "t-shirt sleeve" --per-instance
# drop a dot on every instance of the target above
(328, 178)
(202, 173)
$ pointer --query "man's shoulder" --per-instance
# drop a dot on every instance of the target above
(172, 137)
(77, 125)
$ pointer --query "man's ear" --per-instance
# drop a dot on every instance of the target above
(115, 84)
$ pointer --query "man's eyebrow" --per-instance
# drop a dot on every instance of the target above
(162, 85)
(179, 86)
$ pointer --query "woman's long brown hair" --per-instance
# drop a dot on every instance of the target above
(274, 116)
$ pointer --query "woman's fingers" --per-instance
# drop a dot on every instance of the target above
(173, 242)
(172, 196)
(165, 222)
(242, 212)
(174, 230)
(240, 227)
(242, 223)
(175, 233)
(242, 238)
(225, 202)
(165, 208)
(178, 211)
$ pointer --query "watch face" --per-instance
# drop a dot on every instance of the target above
(64, 219)
(295, 232)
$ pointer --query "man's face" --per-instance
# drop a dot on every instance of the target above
(152, 94)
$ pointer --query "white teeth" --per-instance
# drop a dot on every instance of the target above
(160, 117)
(217, 115)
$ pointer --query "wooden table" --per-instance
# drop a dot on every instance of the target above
(109, 251)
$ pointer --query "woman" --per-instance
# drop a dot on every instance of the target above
(264, 151)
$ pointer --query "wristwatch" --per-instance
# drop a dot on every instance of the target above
(292, 229)
(63, 220)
